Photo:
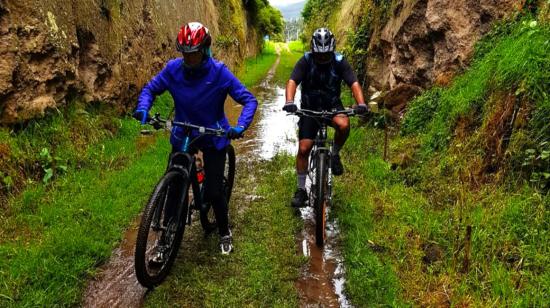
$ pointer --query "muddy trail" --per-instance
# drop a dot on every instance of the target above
(322, 277)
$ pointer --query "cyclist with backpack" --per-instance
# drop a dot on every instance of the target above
(321, 72)
(199, 85)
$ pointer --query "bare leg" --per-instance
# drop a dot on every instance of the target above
(300, 196)
(305, 147)
(341, 124)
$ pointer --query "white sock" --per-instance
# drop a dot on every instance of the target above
(302, 180)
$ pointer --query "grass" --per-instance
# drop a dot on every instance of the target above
(297, 46)
(407, 244)
(287, 62)
(68, 135)
(254, 69)
(262, 270)
(56, 234)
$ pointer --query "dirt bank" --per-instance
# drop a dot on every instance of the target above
(104, 51)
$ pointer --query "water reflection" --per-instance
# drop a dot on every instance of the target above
(322, 281)
(272, 131)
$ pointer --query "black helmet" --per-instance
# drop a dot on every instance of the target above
(322, 41)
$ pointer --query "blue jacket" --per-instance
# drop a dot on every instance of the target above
(200, 100)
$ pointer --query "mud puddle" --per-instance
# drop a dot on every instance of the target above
(322, 280)
(117, 285)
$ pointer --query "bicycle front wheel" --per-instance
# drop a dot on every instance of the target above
(320, 204)
(161, 229)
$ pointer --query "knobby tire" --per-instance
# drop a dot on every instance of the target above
(320, 200)
(157, 202)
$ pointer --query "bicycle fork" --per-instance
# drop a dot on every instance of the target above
(329, 173)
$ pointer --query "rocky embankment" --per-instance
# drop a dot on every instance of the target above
(426, 42)
(405, 46)
(102, 51)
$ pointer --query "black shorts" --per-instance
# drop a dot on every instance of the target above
(308, 127)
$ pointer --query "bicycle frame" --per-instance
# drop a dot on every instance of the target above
(321, 144)
(184, 161)
(163, 222)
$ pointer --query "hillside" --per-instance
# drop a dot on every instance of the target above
(291, 11)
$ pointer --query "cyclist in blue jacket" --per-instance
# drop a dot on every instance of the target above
(199, 86)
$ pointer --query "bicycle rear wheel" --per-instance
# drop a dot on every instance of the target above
(161, 229)
(207, 217)
(320, 201)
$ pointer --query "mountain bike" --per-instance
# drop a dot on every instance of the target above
(320, 168)
(170, 208)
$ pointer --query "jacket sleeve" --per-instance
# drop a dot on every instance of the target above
(241, 95)
(155, 87)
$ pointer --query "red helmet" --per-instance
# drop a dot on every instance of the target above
(193, 37)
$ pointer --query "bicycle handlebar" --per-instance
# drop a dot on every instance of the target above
(159, 123)
(323, 114)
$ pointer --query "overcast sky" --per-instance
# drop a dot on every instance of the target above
(283, 2)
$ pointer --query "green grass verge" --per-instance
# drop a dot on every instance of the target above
(297, 46)
(436, 226)
(256, 68)
(58, 233)
(287, 63)
(264, 266)
(64, 141)
(407, 245)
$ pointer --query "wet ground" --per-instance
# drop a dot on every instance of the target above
(322, 279)
(117, 285)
